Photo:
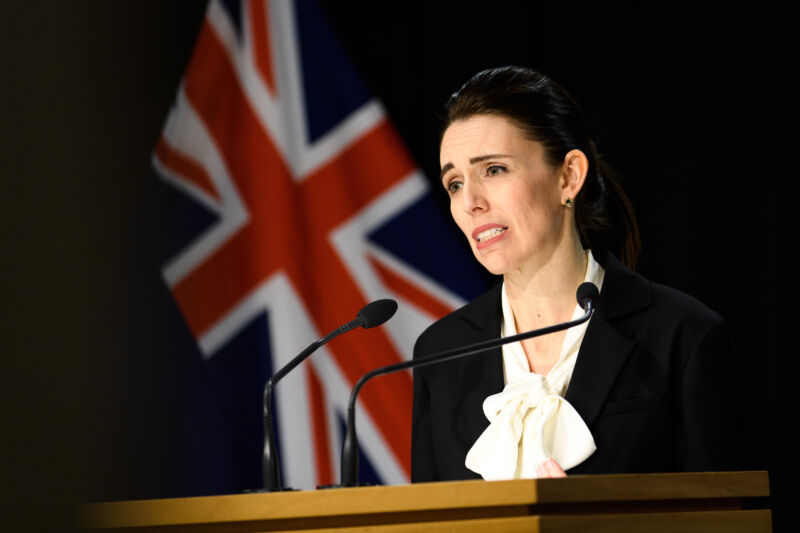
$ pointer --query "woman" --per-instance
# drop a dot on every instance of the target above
(648, 385)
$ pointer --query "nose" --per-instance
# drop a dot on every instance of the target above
(473, 198)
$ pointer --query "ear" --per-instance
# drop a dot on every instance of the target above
(573, 174)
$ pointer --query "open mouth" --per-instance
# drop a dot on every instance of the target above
(490, 234)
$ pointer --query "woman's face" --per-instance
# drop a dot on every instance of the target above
(504, 195)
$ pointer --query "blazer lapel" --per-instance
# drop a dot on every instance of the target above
(601, 357)
(604, 349)
(484, 371)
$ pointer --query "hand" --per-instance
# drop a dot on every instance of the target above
(550, 468)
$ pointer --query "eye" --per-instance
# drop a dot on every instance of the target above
(495, 170)
(454, 186)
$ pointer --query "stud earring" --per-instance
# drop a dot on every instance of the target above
(569, 202)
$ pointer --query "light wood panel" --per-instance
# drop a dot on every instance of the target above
(577, 503)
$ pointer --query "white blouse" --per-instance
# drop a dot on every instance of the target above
(530, 421)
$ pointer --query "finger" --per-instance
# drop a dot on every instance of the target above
(554, 469)
(541, 470)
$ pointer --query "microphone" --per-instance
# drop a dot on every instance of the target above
(374, 314)
(371, 315)
(587, 296)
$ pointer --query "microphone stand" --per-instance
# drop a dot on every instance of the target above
(371, 315)
(270, 471)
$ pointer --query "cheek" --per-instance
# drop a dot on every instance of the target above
(541, 202)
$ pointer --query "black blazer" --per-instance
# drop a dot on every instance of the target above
(655, 382)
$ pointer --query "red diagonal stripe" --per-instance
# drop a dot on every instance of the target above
(184, 166)
(409, 291)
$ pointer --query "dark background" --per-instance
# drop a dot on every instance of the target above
(690, 103)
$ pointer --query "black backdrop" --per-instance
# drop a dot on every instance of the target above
(688, 101)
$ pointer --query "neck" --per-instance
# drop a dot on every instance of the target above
(546, 292)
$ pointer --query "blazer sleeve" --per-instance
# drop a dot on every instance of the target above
(710, 433)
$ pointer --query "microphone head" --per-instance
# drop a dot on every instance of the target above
(588, 294)
(377, 312)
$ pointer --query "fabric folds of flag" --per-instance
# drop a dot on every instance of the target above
(300, 205)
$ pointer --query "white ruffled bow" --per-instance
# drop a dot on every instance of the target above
(527, 426)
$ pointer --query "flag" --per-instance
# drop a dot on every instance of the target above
(297, 205)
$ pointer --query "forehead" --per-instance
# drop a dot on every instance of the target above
(480, 134)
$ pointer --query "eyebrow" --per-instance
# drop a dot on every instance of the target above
(478, 159)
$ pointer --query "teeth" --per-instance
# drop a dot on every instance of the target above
(490, 233)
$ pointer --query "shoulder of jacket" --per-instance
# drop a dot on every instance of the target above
(471, 316)
(676, 302)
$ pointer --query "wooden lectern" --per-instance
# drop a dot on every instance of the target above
(709, 502)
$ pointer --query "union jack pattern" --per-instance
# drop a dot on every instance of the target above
(312, 208)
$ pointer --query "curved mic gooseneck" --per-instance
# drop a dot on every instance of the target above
(587, 297)
(371, 315)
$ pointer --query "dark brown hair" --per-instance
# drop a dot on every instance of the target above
(547, 113)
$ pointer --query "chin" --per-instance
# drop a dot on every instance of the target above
(496, 271)
(496, 260)
(494, 267)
